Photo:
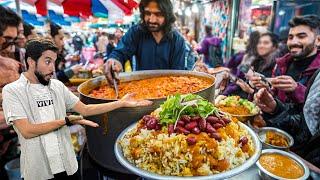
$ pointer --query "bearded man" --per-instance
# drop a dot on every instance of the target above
(294, 70)
(154, 42)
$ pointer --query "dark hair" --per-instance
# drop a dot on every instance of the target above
(27, 29)
(8, 18)
(208, 29)
(253, 41)
(273, 37)
(111, 37)
(35, 48)
(311, 21)
(54, 29)
(270, 61)
(166, 9)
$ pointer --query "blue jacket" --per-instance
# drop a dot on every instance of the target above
(168, 54)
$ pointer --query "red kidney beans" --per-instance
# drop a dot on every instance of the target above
(209, 128)
(146, 118)
(222, 122)
(212, 119)
(216, 136)
(171, 128)
(226, 120)
(243, 141)
(217, 126)
(182, 130)
(158, 126)
(191, 125)
(202, 124)
(151, 124)
(180, 123)
(196, 130)
(196, 118)
(191, 140)
(185, 118)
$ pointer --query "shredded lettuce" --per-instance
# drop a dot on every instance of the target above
(178, 105)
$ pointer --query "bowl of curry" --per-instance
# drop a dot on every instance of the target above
(275, 138)
(278, 164)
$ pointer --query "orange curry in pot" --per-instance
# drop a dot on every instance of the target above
(154, 88)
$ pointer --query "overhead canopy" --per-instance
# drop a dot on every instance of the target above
(31, 18)
(98, 9)
(80, 8)
(127, 6)
(65, 11)
(41, 6)
(58, 18)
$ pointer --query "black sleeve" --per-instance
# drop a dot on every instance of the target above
(289, 117)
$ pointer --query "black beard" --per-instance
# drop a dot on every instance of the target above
(157, 28)
(304, 53)
(41, 79)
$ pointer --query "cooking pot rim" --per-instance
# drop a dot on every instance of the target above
(148, 74)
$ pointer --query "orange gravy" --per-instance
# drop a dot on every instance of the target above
(281, 165)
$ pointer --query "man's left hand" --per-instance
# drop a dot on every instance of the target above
(265, 101)
(86, 122)
(78, 119)
(284, 83)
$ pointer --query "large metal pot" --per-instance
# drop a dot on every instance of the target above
(101, 141)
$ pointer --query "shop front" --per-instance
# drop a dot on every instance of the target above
(254, 15)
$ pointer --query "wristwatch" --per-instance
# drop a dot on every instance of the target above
(68, 123)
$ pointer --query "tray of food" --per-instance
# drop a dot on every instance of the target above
(187, 137)
(237, 107)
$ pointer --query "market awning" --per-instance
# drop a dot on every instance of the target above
(114, 11)
(98, 9)
(127, 6)
(58, 18)
(31, 18)
(7, 3)
(41, 6)
(80, 8)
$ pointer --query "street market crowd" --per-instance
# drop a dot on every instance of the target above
(280, 74)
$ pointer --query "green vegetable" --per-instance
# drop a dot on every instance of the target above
(236, 101)
(178, 105)
(170, 109)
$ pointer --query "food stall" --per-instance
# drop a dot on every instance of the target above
(189, 135)
(103, 139)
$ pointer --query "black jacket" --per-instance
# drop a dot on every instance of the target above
(290, 118)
